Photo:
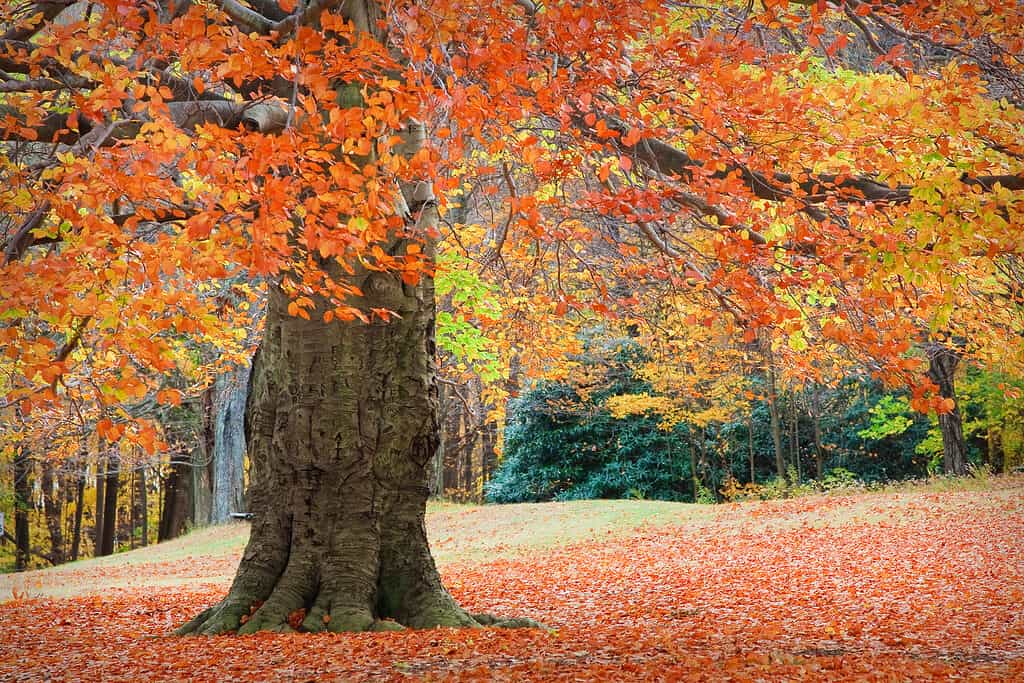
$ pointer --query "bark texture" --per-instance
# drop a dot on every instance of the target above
(230, 392)
(343, 427)
(177, 506)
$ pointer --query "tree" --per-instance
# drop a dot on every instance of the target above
(155, 152)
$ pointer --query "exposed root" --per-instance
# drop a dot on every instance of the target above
(224, 617)
(231, 615)
(506, 622)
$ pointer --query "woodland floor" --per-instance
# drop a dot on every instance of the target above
(904, 585)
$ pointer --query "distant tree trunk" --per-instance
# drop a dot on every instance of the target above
(693, 467)
(489, 452)
(436, 479)
(143, 500)
(451, 450)
(112, 484)
(177, 508)
(133, 509)
(773, 412)
(97, 529)
(942, 364)
(76, 534)
(53, 511)
(996, 455)
(819, 453)
(202, 469)
(466, 465)
(22, 503)
(750, 444)
(794, 435)
(230, 392)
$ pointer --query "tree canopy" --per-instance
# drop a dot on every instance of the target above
(817, 183)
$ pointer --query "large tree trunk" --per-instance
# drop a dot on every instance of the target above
(343, 426)
(942, 364)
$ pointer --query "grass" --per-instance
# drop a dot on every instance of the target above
(467, 534)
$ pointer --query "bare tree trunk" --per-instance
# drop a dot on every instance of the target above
(750, 444)
(76, 535)
(133, 509)
(143, 497)
(437, 468)
(230, 390)
(819, 452)
(202, 469)
(489, 452)
(794, 435)
(22, 505)
(773, 413)
(112, 484)
(53, 511)
(101, 487)
(942, 364)
(177, 508)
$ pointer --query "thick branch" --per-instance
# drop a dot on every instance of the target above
(669, 160)
(47, 9)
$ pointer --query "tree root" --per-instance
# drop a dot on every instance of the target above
(232, 615)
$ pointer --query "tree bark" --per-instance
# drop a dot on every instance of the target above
(202, 469)
(343, 426)
(230, 391)
(794, 435)
(22, 504)
(942, 364)
(177, 498)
